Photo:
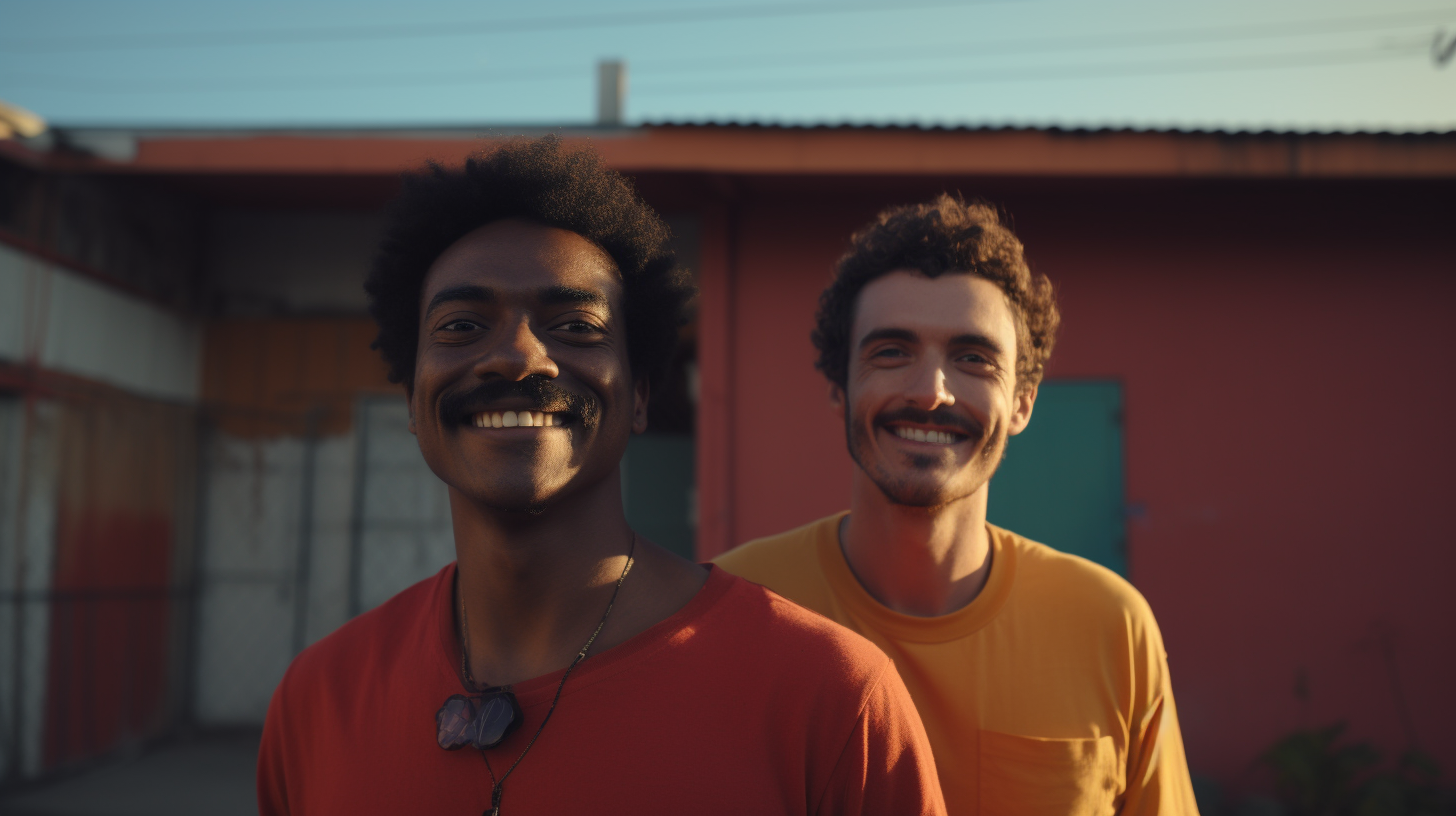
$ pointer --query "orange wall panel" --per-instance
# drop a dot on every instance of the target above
(264, 376)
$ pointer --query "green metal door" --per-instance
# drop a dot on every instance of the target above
(1061, 480)
(657, 490)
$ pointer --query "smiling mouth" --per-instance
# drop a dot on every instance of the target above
(931, 437)
(519, 419)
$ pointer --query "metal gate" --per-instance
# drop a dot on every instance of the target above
(298, 535)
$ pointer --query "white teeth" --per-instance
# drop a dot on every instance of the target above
(515, 419)
(919, 435)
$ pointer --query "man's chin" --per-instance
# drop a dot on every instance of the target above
(517, 501)
(910, 493)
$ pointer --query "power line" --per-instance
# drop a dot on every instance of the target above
(1023, 46)
(189, 85)
(389, 31)
(1084, 42)
(1137, 68)
(1132, 68)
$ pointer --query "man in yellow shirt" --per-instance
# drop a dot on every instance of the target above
(1040, 676)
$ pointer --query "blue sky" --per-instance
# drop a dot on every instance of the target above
(1276, 64)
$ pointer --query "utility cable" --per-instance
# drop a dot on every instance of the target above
(973, 49)
(458, 28)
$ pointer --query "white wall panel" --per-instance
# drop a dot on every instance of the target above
(28, 494)
(86, 328)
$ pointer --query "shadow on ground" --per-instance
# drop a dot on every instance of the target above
(204, 776)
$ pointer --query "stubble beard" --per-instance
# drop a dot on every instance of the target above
(922, 493)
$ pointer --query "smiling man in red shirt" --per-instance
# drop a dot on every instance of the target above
(563, 664)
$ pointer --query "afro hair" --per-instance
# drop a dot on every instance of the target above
(542, 181)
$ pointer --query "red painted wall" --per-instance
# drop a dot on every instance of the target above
(124, 466)
(1286, 352)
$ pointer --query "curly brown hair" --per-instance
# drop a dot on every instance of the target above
(947, 234)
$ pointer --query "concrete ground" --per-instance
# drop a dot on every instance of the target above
(206, 776)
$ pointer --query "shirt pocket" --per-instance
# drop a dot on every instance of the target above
(1031, 776)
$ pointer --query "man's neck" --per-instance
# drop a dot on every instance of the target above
(917, 560)
(535, 587)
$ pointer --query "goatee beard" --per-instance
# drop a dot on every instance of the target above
(915, 493)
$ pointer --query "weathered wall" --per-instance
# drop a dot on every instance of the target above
(270, 262)
(28, 485)
(299, 535)
(99, 365)
(121, 562)
(317, 504)
(1284, 351)
(68, 322)
(136, 235)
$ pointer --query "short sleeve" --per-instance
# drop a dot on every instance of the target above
(1158, 781)
(886, 765)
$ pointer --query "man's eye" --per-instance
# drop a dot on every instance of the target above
(579, 327)
(889, 352)
(460, 326)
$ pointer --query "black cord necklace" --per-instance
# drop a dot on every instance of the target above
(501, 702)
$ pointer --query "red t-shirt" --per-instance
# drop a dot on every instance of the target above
(740, 703)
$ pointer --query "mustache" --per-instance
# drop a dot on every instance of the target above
(541, 392)
(939, 416)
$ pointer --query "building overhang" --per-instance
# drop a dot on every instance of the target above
(774, 150)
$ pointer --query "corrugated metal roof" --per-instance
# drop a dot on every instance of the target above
(1067, 127)
(457, 130)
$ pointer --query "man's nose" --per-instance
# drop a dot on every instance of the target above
(928, 388)
(518, 354)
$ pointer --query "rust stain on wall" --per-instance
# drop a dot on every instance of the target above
(117, 614)
(267, 377)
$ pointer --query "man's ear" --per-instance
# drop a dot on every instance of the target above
(641, 390)
(836, 400)
(1021, 415)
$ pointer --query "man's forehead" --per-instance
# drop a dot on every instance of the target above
(954, 303)
(515, 258)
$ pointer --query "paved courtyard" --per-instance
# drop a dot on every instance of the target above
(207, 776)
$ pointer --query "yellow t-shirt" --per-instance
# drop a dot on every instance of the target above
(1047, 694)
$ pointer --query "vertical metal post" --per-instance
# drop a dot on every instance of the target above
(192, 637)
(304, 556)
(356, 513)
(37, 302)
(611, 92)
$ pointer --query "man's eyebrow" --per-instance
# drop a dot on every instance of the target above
(476, 294)
(571, 296)
(889, 334)
(977, 340)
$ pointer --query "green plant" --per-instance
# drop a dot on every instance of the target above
(1318, 774)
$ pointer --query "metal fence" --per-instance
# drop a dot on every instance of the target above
(283, 539)
(299, 534)
(278, 533)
